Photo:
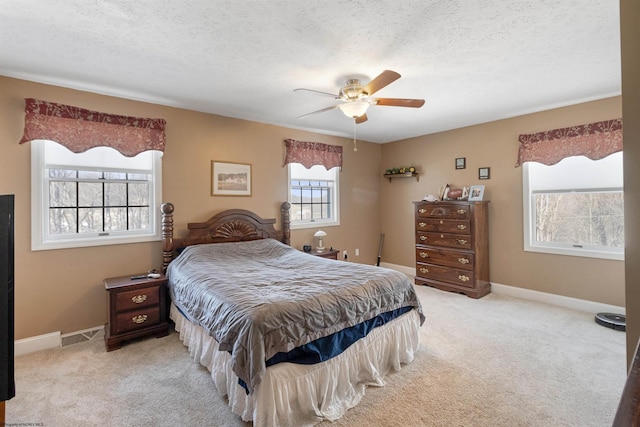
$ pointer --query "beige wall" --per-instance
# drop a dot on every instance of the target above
(495, 145)
(62, 290)
(630, 41)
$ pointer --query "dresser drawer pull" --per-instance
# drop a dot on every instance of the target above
(424, 270)
(422, 224)
(140, 318)
(441, 222)
(462, 227)
(463, 278)
(138, 299)
(423, 238)
(463, 260)
(422, 211)
(462, 211)
(461, 241)
(424, 255)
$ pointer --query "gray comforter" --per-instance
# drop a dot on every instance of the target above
(262, 297)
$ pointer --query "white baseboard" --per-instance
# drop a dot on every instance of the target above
(531, 295)
(37, 343)
(54, 339)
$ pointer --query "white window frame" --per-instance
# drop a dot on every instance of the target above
(40, 210)
(315, 223)
(529, 221)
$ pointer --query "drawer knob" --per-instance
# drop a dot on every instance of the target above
(422, 224)
(422, 211)
(138, 299)
(461, 242)
(424, 255)
(424, 270)
(140, 318)
(423, 238)
(441, 222)
(442, 236)
(461, 227)
(463, 278)
(462, 211)
(463, 260)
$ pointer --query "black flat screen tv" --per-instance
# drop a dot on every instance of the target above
(7, 381)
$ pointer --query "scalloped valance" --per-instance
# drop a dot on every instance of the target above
(312, 153)
(79, 130)
(592, 140)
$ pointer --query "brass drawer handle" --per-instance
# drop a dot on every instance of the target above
(422, 224)
(139, 299)
(461, 242)
(423, 238)
(463, 278)
(463, 260)
(441, 222)
(139, 319)
(424, 270)
(422, 210)
(424, 255)
(462, 211)
(461, 227)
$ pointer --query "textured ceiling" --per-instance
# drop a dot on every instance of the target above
(472, 61)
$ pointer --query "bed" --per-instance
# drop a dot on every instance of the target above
(289, 338)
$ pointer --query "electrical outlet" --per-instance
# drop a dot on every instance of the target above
(344, 254)
(357, 252)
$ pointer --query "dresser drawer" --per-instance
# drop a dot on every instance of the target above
(446, 274)
(145, 297)
(136, 319)
(437, 256)
(443, 210)
(444, 240)
(444, 225)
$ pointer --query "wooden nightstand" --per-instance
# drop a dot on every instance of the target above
(327, 253)
(137, 307)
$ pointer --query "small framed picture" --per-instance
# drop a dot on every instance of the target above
(476, 192)
(461, 162)
(230, 179)
(484, 173)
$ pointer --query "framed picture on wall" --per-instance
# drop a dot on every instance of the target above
(484, 173)
(230, 179)
(461, 162)
(476, 192)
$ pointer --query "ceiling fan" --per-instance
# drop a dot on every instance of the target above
(355, 97)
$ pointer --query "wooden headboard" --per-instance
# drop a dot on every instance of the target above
(233, 225)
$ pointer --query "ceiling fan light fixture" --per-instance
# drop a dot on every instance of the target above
(354, 109)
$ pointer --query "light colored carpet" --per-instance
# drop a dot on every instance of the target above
(496, 361)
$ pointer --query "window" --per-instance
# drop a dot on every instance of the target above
(575, 207)
(314, 196)
(98, 197)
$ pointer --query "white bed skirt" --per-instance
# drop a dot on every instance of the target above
(303, 395)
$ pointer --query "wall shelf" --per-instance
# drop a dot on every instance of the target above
(402, 175)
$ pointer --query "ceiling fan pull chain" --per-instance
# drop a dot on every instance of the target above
(355, 147)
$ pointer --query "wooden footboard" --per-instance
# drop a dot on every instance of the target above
(233, 225)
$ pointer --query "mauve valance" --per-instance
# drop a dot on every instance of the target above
(593, 140)
(79, 129)
(312, 153)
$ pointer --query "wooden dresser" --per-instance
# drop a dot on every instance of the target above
(136, 307)
(452, 246)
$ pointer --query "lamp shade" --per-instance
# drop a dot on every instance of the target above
(354, 108)
(320, 233)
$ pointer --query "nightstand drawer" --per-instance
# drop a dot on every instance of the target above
(137, 319)
(130, 300)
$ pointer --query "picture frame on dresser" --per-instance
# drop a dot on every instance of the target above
(476, 193)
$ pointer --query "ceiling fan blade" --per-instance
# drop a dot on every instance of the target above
(385, 78)
(301, 89)
(398, 102)
(333, 107)
(361, 119)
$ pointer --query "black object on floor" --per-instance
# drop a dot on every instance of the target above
(612, 320)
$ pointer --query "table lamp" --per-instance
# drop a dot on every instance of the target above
(319, 235)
